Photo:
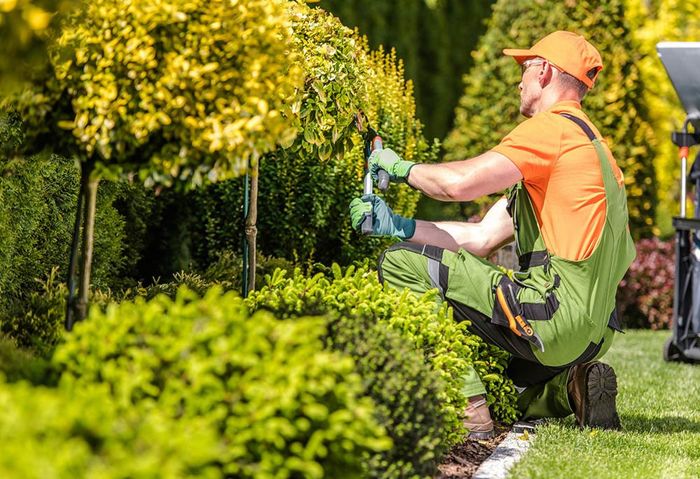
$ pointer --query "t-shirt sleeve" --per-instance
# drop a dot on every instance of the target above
(532, 146)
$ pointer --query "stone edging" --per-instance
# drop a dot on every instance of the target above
(506, 454)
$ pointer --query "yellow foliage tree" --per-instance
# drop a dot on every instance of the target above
(653, 22)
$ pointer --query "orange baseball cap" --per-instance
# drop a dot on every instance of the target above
(567, 51)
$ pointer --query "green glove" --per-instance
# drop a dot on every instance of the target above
(384, 221)
(390, 162)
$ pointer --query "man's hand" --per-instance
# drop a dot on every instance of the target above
(384, 221)
(390, 162)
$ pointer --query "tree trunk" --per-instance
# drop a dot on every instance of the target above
(251, 230)
(77, 307)
(79, 214)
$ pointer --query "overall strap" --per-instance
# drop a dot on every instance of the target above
(584, 126)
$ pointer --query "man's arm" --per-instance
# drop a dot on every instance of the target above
(465, 180)
(481, 239)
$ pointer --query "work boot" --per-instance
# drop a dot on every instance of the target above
(592, 390)
(478, 419)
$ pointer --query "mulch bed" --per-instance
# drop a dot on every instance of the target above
(464, 459)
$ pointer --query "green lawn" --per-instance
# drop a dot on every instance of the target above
(659, 405)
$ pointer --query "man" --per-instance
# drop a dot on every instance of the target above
(566, 208)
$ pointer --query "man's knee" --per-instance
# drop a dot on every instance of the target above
(403, 266)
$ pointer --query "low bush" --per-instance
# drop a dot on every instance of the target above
(447, 346)
(394, 374)
(81, 433)
(280, 404)
(645, 295)
(404, 388)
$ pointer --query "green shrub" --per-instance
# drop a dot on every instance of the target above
(34, 320)
(279, 403)
(447, 346)
(489, 108)
(394, 373)
(81, 433)
(306, 187)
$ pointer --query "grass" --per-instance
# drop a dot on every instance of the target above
(659, 405)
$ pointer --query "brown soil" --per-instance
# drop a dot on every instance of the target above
(464, 459)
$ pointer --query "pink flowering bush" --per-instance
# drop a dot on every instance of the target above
(645, 296)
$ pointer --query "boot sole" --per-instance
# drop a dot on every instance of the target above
(601, 391)
(481, 436)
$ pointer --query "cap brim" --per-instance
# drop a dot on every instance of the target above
(519, 55)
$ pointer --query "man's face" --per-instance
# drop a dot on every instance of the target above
(530, 88)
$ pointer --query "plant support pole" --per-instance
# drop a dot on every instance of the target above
(246, 196)
(251, 229)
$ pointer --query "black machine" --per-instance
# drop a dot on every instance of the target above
(682, 63)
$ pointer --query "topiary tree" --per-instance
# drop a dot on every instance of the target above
(180, 91)
(308, 184)
(489, 108)
(653, 22)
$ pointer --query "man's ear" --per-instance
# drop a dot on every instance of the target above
(545, 74)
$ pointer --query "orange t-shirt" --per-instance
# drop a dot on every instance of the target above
(561, 172)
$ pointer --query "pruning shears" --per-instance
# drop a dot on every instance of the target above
(372, 142)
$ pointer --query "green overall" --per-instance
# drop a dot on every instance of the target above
(570, 305)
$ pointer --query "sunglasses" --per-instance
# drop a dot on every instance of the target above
(530, 63)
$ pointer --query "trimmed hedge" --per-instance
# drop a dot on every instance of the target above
(408, 393)
(279, 403)
(489, 108)
(448, 348)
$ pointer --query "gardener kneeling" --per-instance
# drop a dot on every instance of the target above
(566, 208)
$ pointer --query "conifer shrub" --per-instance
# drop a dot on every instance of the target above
(47, 432)
(279, 403)
(35, 319)
(37, 212)
(18, 364)
(446, 345)
(653, 22)
(434, 39)
(489, 108)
